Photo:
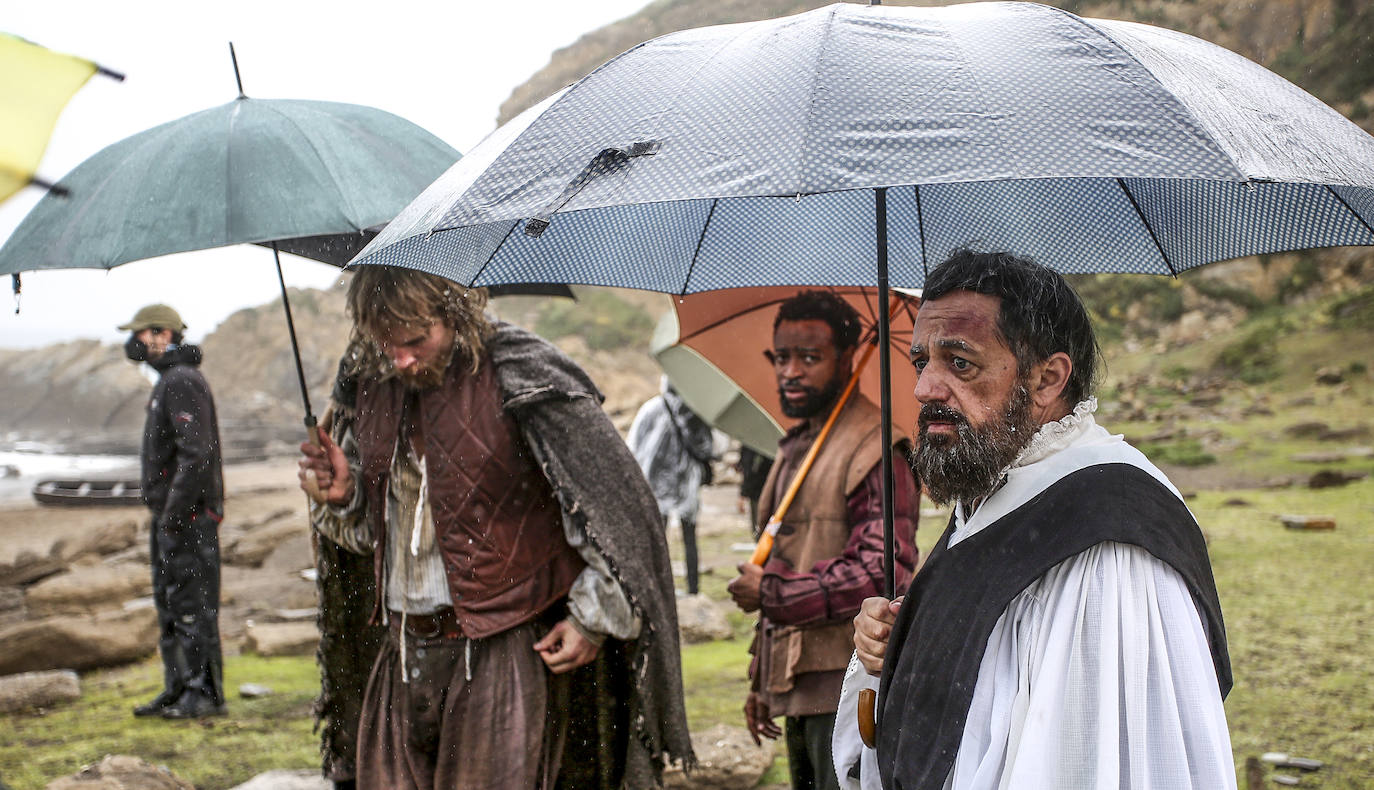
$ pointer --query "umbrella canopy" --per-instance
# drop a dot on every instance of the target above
(711, 394)
(253, 170)
(250, 171)
(747, 154)
(856, 145)
(35, 84)
(711, 346)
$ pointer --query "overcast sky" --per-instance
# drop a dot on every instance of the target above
(446, 66)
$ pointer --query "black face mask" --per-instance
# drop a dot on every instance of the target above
(136, 350)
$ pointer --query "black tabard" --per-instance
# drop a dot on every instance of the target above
(942, 629)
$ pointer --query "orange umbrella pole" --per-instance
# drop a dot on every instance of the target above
(770, 531)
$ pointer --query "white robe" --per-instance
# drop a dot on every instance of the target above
(1098, 675)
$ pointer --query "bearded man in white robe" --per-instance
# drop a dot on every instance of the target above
(1065, 631)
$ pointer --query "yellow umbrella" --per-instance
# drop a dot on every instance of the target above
(35, 84)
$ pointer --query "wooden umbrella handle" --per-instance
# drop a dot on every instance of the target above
(868, 717)
(310, 484)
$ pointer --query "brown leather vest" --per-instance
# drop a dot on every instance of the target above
(815, 529)
(496, 521)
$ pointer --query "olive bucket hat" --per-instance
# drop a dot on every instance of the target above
(155, 315)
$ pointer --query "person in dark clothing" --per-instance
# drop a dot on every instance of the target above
(753, 469)
(183, 487)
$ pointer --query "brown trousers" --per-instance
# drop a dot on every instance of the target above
(503, 729)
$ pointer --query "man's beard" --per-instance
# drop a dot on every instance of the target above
(422, 378)
(816, 400)
(967, 465)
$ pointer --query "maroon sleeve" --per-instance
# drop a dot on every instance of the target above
(834, 588)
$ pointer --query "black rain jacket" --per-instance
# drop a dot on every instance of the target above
(182, 473)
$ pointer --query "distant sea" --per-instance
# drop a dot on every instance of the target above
(34, 461)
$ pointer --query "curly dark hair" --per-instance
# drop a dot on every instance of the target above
(1041, 314)
(823, 306)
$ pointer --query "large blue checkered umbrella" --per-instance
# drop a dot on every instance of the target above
(856, 145)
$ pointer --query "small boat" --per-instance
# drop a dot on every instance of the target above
(87, 492)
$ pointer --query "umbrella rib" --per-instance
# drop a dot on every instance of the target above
(492, 256)
(1348, 207)
(692, 265)
(921, 229)
(1141, 214)
(727, 319)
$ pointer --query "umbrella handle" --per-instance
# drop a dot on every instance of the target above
(765, 545)
(868, 719)
(310, 484)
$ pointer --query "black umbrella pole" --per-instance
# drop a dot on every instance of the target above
(311, 424)
(885, 386)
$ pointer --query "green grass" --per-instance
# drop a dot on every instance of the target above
(257, 735)
(1298, 616)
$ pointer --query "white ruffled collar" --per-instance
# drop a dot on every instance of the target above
(1055, 436)
(1051, 438)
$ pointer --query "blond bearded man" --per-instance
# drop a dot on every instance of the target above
(520, 569)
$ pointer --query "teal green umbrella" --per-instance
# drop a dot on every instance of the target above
(314, 178)
(250, 171)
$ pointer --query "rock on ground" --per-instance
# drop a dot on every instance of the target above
(699, 619)
(121, 772)
(88, 588)
(304, 779)
(254, 546)
(281, 639)
(727, 758)
(38, 689)
(78, 642)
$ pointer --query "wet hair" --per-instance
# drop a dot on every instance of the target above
(1040, 313)
(384, 298)
(823, 306)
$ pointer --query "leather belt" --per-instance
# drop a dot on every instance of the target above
(441, 624)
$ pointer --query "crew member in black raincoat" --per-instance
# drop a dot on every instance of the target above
(183, 486)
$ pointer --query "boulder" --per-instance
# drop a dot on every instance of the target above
(699, 619)
(254, 690)
(121, 772)
(1307, 430)
(726, 758)
(11, 605)
(104, 540)
(86, 589)
(27, 567)
(28, 690)
(1307, 522)
(1334, 478)
(254, 545)
(291, 554)
(281, 639)
(78, 642)
(1345, 434)
(1330, 375)
(303, 779)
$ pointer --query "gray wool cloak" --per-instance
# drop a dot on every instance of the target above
(602, 494)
